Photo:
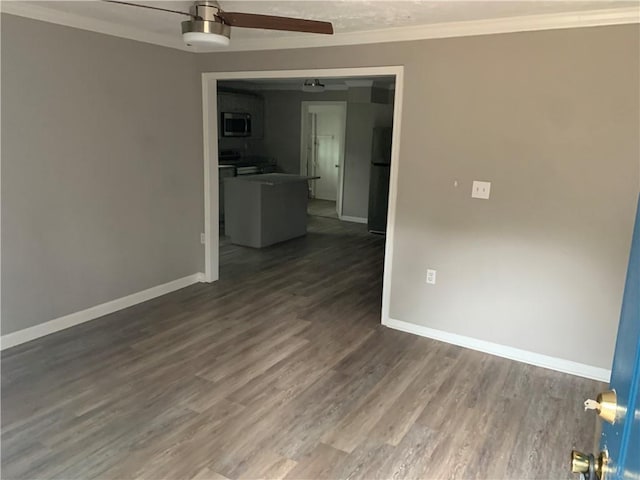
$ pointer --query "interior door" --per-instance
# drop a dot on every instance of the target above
(620, 441)
(327, 130)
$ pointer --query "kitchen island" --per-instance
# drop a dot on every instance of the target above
(261, 210)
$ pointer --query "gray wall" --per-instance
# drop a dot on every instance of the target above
(101, 169)
(282, 128)
(551, 118)
(282, 110)
(102, 175)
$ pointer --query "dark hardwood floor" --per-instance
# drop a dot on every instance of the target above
(281, 369)
(322, 208)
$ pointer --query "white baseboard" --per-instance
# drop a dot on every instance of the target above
(347, 218)
(61, 323)
(524, 356)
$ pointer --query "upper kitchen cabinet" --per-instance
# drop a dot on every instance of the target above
(250, 103)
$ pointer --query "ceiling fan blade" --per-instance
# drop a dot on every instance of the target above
(269, 22)
(150, 7)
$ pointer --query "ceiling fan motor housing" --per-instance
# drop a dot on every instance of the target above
(205, 28)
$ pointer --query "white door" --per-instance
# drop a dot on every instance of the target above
(325, 125)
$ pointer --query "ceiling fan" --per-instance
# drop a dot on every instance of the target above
(209, 25)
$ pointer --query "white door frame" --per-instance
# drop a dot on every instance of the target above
(210, 137)
(303, 144)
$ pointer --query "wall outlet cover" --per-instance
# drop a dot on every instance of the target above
(431, 277)
(202, 239)
(481, 190)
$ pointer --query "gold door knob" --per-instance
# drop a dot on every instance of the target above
(580, 462)
(587, 465)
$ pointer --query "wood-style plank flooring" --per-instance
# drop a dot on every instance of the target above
(322, 208)
(281, 370)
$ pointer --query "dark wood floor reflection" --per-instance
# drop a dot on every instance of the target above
(281, 369)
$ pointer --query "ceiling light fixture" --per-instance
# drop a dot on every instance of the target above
(313, 86)
(205, 29)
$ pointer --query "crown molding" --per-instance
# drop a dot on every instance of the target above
(590, 18)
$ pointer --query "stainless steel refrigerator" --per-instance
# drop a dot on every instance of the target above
(379, 179)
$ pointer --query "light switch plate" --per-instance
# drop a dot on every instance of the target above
(481, 189)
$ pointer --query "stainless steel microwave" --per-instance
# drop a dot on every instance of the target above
(236, 124)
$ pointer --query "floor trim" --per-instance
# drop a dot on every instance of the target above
(347, 218)
(61, 323)
(524, 356)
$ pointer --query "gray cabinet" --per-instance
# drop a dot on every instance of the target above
(261, 210)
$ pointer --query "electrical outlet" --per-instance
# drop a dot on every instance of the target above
(431, 277)
(202, 239)
(481, 190)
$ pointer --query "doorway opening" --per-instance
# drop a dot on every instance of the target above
(323, 127)
(349, 181)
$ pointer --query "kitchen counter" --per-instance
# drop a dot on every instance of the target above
(261, 210)
(276, 178)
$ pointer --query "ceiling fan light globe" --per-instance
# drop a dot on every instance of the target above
(205, 33)
(200, 39)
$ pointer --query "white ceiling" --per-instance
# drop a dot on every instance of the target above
(348, 16)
